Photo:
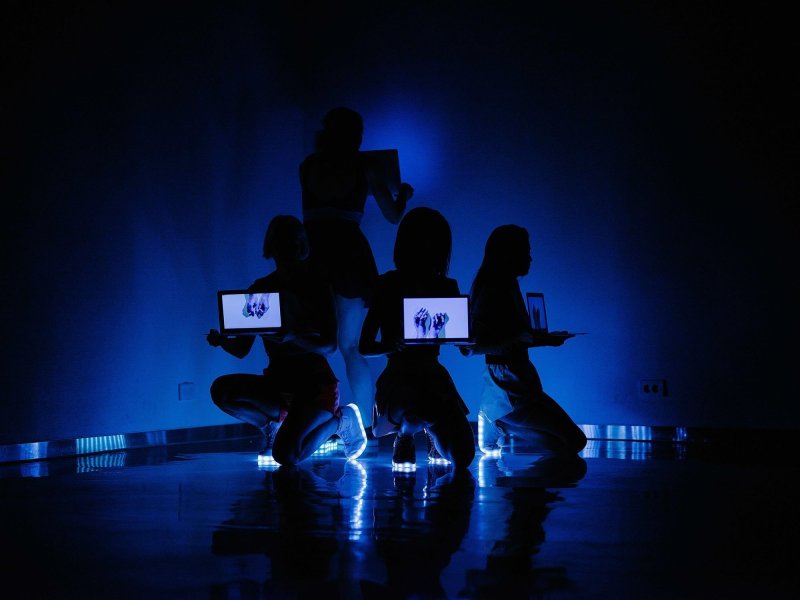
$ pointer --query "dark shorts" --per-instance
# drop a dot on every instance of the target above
(342, 252)
(420, 388)
(307, 380)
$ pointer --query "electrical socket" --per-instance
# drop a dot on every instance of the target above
(185, 391)
(653, 388)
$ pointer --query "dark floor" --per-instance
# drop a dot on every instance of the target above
(630, 519)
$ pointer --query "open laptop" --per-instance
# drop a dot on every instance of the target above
(386, 162)
(436, 320)
(242, 312)
(537, 313)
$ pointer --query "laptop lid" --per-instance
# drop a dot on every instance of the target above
(536, 311)
(242, 312)
(387, 163)
(436, 320)
(538, 316)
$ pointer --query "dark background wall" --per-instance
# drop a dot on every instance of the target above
(646, 148)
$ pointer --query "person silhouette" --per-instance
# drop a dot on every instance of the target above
(415, 391)
(335, 181)
(295, 402)
(513, 400)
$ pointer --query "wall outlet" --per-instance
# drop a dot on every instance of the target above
(185, 391)
(653, 388)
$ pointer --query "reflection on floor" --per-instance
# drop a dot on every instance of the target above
(635, 519)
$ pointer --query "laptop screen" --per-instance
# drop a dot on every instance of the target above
(536, 311)
(442, 319)
(242, 312)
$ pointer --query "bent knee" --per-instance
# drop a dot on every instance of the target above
(217, 391)
(284, 457)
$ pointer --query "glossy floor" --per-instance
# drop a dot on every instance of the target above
(626, 520)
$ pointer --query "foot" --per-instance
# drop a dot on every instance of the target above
(351, 430)
(269, 431)
(405, 452)
(433, 454)
(489, 435)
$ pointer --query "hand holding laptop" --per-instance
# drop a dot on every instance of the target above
(538, 322)
(550, 338)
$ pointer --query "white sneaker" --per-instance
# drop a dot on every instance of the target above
(488, 435)
(269, 430)
(433, 454)
(351, 430)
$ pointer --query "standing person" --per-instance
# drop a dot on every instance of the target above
(513, 399)
(295, 402)
(414, 391)
(336, 181)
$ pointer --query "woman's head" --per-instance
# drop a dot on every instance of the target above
(508, 250)
(286, 239)
(342, 130)
(424, 242)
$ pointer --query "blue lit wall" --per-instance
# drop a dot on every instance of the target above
(640, 147)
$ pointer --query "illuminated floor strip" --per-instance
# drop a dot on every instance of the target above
(404, 467)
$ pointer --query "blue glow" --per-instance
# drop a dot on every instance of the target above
(102, 443)
(618, 432)
(356, 517)
(482, 445)
(34, 469)
(404, 467)
(96, 462)
(156, 438)
(620, 449)
(417, 135)
(328, 447)
(34, 451)
(266, 462)
(483, 469)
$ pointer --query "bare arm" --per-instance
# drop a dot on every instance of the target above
(392, 208)
(238, 346)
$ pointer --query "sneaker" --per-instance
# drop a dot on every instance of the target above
(433, 454)
(269, 431)
(351, 430)
(489, 435)
(405, 452)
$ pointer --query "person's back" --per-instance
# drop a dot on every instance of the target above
(335, 183)
(415, 391)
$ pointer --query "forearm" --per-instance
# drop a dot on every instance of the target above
(393, 208)
(236, 346)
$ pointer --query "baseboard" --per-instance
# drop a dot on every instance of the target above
(125, 441)
(34, 451)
